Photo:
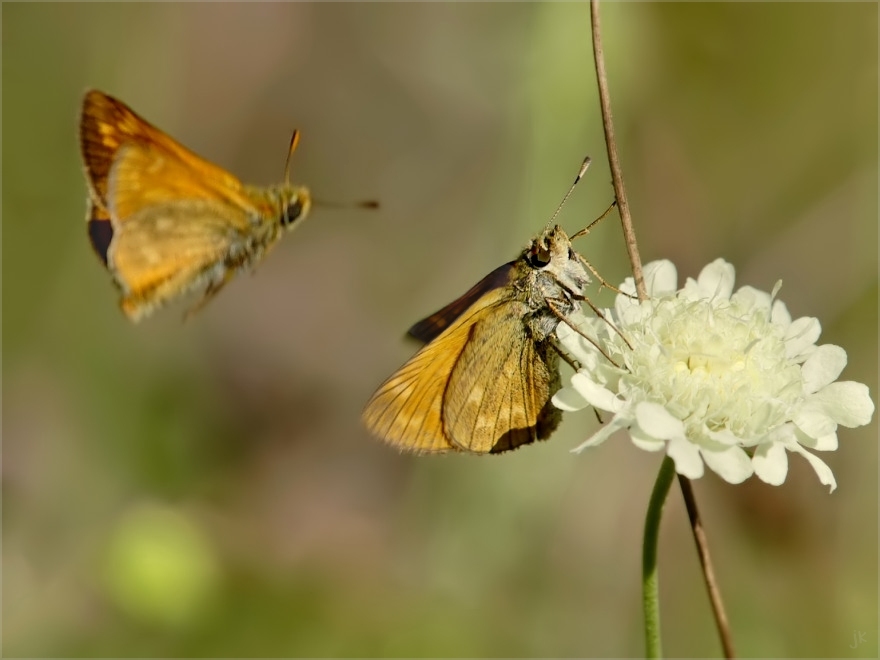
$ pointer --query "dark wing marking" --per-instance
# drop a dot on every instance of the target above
(430, 327)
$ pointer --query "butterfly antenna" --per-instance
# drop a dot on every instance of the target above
(363, 204)
(294, 140)
(580, 174)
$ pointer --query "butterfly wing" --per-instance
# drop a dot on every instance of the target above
(498, 395)
(131, 164)
(100, 229)
(430, 327)
(162, 252)
(407, 409)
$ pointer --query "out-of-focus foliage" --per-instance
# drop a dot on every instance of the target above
(747, 131)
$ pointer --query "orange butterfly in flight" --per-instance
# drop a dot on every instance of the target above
(166, 222)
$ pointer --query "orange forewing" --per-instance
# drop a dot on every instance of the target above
(131, 164)
(406, 410)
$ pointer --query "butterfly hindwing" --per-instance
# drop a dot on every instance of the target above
(498, 394)
(158, 254)
(407, 409)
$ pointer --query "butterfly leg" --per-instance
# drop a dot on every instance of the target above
(213, 289)
(554, 309)
(601, 279)
(586, 230)
(587, 264)
(560, 349)
(602, 316)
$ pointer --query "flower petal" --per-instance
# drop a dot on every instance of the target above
(716, 280)
(733, 464)
(596, 395)
(643, 441)
(624, 304)
(725, 436)
(658, 422)
(628, 286)
(801, 335)
(751, 298)
(780, 315)
(569, 399)
(848, 403)
(564, 330)
(572, 339)
(771, 463)
(823, 443)
(661, 278)
(647, 444)
(826, 477)
(631, 312)
(577, 320)
(812, 419)
(823, 367)
(687, 458)
(614, 424)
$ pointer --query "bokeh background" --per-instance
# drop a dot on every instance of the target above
(205, 488)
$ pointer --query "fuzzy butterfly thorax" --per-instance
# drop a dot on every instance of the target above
(286, 204)
(552, 273)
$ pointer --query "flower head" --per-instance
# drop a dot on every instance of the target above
(714, 377)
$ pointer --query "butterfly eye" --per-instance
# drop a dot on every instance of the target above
(539, 258)
(291, 213)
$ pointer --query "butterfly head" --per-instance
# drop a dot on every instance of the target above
(551, 253)
(295, 204)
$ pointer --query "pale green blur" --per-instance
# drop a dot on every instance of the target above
(747, 131)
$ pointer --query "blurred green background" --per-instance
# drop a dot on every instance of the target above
(205, 488)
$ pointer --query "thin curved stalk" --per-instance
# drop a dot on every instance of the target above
(650, 574)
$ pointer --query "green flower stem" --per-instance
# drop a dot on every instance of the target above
(650, 577)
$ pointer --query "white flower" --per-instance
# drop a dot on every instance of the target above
(713, 377)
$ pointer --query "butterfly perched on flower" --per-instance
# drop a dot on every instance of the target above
(484, 380)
